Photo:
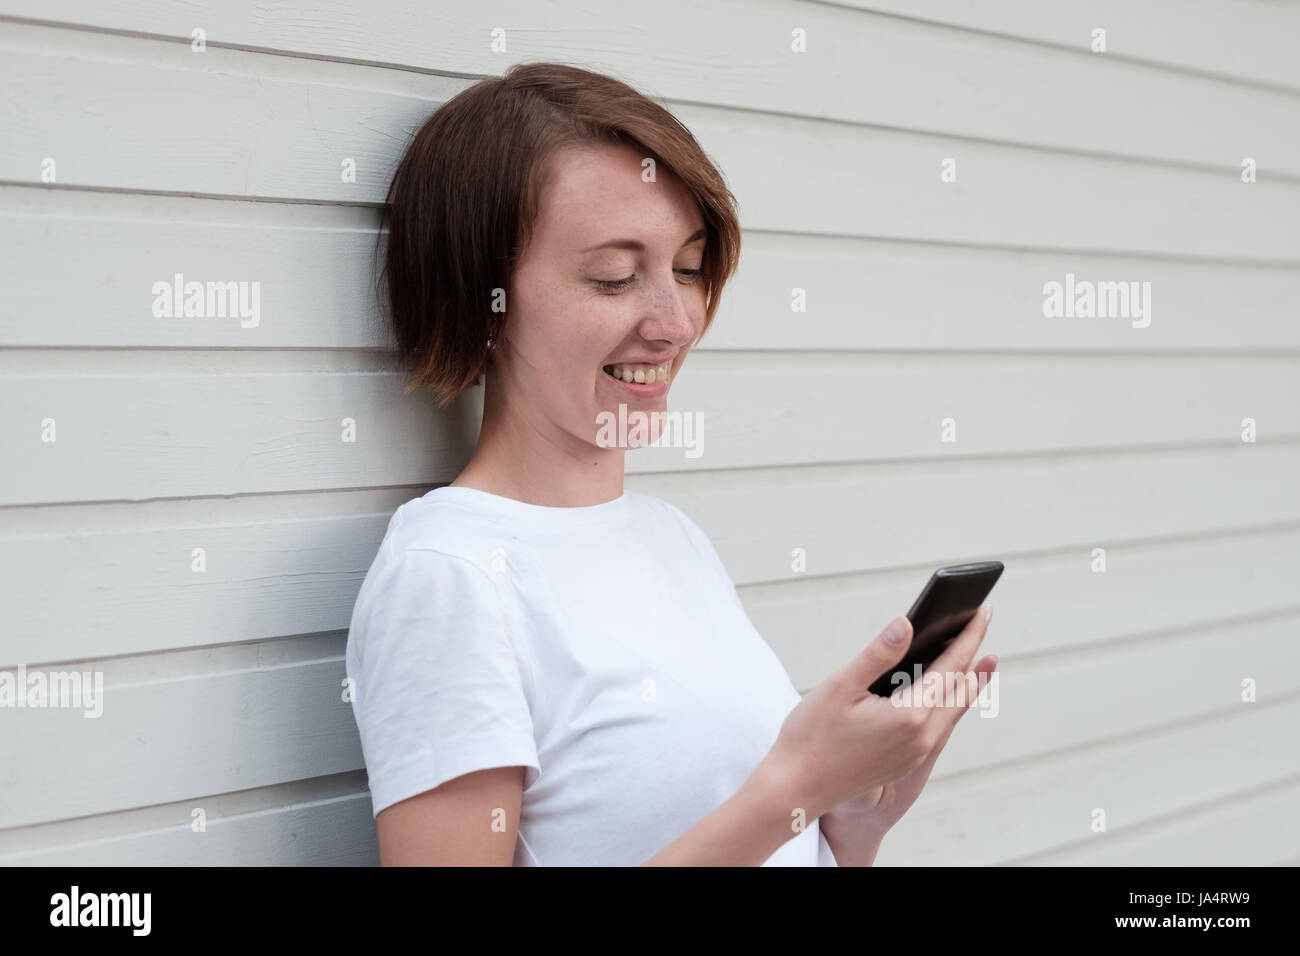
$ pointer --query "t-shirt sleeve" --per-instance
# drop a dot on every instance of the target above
(437, 690)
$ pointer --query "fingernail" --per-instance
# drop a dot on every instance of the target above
(894, 633)
(988, 613)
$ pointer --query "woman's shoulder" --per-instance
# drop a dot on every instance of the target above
(435, 562)
(431, 524)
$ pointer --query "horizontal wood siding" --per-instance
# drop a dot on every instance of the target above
(822, 428)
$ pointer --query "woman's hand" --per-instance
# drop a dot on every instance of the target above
(843, 744)
(866, 818)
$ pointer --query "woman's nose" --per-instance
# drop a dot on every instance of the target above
(670, 315)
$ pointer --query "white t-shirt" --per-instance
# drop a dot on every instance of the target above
(603, 648)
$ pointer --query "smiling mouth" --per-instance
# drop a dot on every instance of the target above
(638, 374)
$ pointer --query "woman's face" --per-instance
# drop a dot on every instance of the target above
(608, 282)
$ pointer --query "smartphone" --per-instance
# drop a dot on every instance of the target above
(946, 605)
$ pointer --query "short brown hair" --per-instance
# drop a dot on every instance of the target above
(464, 197)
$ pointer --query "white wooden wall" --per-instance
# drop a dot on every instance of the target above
(1120, 690)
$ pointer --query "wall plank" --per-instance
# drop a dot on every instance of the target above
(338, 832)
(1120, 689)
(909, 513)
(280, 133)
(161, 435)
(905, 74)
(316, 268)
(1250, 40)
(1003, 813)
(1045, 602)
(166, 435)
(1255, 830)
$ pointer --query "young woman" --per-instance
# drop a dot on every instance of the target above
(549, 669)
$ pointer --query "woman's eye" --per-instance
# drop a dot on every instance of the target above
(616, 285)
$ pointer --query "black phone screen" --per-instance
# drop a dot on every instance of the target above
(945, 605)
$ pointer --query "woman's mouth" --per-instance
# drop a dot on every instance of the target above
(642, 381)
(638, 374)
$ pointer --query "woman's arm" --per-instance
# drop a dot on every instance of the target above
(471, 820)
(836, 739)
(851, 846)
(752, 825)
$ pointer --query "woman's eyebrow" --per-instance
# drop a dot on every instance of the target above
(637, 246)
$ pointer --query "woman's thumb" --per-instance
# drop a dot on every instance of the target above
(887, 649)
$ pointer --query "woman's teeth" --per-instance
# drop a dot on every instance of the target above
(641, 376)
